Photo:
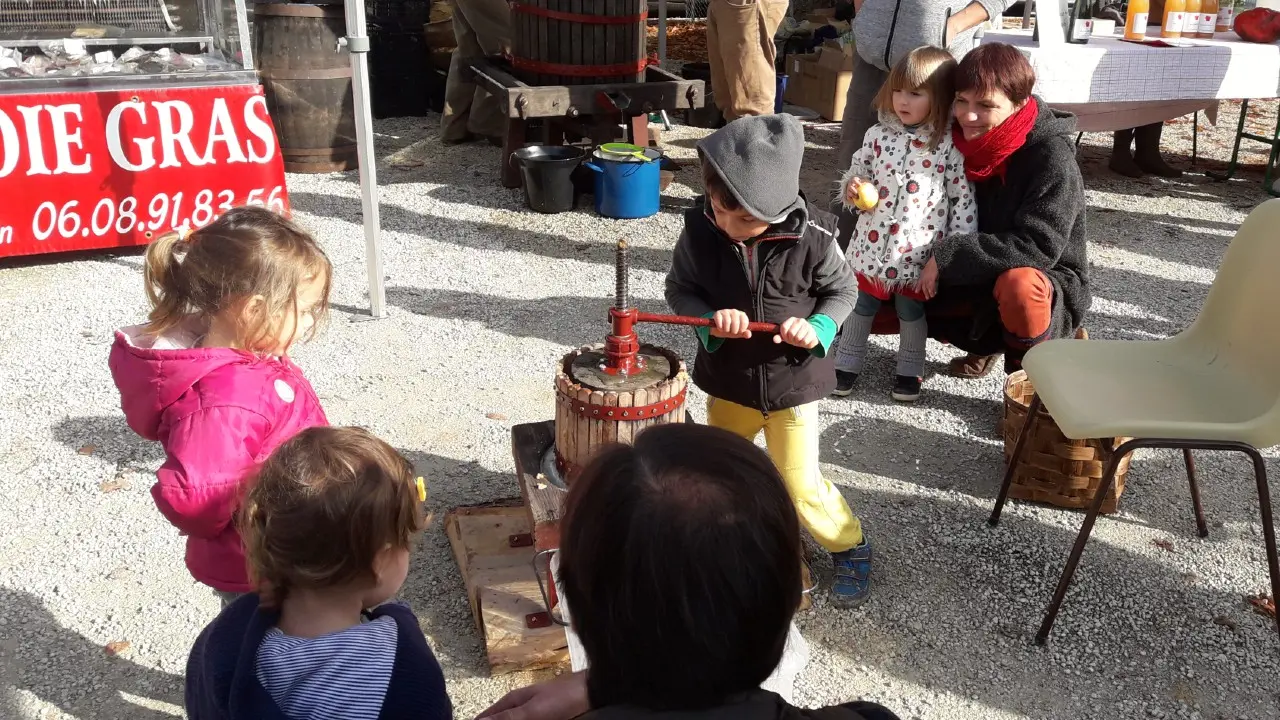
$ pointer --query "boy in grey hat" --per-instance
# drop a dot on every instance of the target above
(754, 249)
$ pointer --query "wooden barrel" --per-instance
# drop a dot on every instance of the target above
(306, 78)
(578, 42)
(587, 418)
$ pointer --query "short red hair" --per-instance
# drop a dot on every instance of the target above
(996, 66)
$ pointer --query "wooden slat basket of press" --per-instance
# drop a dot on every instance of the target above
(579, 42)
(1055, 469)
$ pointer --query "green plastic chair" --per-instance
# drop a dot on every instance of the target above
(1215, 386)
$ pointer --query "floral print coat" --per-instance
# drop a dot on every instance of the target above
(924, 198)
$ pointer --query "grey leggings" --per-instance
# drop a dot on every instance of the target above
(913, 334)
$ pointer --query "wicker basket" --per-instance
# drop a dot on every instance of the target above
(1055, 469)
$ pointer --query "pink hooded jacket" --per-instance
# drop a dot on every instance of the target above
(218, 413)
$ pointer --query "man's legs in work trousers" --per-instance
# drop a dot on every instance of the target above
(743, 57)
(859, 115)
(792, 438)
(482, 27)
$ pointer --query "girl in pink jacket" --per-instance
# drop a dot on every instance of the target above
(208, 376)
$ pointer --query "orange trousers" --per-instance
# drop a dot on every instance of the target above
(1025, 298)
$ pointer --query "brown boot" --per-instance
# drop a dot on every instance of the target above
(972, 367)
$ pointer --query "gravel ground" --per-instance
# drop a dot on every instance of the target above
(484, 298)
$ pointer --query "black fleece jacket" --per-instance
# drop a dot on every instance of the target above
(1033, 217)
(760, 705)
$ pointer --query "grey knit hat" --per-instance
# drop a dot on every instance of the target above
(759, 157)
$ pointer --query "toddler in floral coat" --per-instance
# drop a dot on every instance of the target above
(908, 182)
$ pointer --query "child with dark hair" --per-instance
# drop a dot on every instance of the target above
(677, 560)
(754, 249)
(327, 529)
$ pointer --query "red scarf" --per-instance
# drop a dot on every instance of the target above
(985, 155)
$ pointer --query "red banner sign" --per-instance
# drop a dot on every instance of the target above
(107, 169)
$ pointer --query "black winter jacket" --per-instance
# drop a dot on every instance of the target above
(795, 269)
(762, 705)
(1033, 217)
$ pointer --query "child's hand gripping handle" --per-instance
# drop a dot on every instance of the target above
(754, 327)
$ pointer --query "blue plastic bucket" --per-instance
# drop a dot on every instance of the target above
(627, 188)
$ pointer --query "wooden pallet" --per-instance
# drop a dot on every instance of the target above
(502, 588)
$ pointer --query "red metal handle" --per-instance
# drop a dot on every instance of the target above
(761, 327)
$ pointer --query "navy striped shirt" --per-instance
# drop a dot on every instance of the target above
(339, 676)
(243, 668)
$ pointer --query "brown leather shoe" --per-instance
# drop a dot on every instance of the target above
(972, 367)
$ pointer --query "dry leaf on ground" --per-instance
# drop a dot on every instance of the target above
(116, 647)
(496, 416)
(114, 485)
(87, 449)
(1163, 544)
(1263, 604)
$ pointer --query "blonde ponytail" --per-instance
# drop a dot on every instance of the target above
(162, 275)
(246, 252)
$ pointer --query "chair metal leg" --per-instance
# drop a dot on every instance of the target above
(1268, 524)
(1195, 137)
(1201, 529)
(1033, 410)
(1085, 529)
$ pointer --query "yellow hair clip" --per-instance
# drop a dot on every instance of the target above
(422, 489)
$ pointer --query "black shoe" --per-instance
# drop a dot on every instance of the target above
(844, 382)
(906, 388)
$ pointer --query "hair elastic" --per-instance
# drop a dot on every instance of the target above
(422, 489)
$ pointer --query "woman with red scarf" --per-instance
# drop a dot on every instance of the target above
(1023, 277)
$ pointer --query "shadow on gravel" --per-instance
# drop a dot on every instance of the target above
(956, 605)
(542, 318)
(486, 236)
(929, 459)
(110, 439)
(72, 672)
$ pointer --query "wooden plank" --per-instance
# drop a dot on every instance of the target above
(479, 537)
(625, 431)
(555, 46)
(597, 424)
(544, 501)
(610, 429)
(502, 588)
(543, 79)
(575, 36)
(583, 449)
(510, 644)
(600, 40)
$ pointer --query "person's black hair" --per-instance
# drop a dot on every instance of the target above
(680, 563)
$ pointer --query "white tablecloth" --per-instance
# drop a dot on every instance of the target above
(1111, 70)
(1111, 84)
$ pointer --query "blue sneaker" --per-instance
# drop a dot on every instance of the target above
(852, 584)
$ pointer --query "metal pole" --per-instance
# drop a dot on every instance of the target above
(357, 43)
(662, 34)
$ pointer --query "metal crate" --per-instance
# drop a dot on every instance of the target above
(55, 17)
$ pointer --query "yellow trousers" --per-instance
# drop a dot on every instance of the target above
(792, 438)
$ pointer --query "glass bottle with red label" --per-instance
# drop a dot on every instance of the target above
(1135, 21)
(1226, 16)
(1175, 12)
(1208, 18)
